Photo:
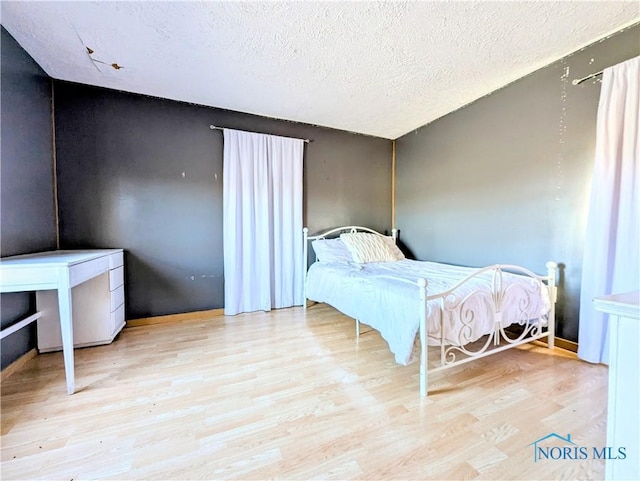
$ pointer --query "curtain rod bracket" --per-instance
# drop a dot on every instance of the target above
(578, 81)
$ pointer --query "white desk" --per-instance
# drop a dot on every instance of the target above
(623, 420)
(61, 271)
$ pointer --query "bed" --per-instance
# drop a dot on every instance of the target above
(465, 313)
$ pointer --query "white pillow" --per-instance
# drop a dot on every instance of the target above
(331, 250)
(395, 250)
(365, 247)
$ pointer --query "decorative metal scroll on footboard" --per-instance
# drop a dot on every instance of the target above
(520, 305)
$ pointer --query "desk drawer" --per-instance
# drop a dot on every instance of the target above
(116, 260)
(116, 278)
(82, 272)
(117, 318)
(117, 298)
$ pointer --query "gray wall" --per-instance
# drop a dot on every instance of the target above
(145, 174)
(27, 212)
(507, 178)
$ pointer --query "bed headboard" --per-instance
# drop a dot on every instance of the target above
(340, 230)
(335, 232)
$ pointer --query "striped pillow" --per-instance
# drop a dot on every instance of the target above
(395, 250)
(366, 247)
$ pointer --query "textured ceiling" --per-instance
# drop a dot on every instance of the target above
(377, 68)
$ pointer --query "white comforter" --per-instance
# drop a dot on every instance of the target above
(374, 294)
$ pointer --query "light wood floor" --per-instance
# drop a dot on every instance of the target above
(292, 395)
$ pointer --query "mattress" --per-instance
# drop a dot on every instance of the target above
(385, 296)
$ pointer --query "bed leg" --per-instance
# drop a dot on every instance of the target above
(423, 378)
(423, 360)
(305, 266)
(552, 267)
(357, 328)
(422, 285)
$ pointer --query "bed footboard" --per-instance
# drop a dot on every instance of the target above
(530, 327)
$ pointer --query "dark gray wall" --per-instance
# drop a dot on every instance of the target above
(145, 174)
(507, 178)
(27, 212)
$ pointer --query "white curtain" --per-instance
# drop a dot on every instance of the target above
(262, 222)
(611, 258)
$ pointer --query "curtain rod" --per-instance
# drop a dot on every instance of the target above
(212, 127)
(578, 81)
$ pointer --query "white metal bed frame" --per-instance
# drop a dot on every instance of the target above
(498, 340)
